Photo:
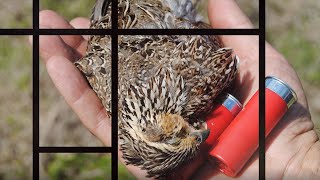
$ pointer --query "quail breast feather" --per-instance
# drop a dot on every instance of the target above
(167, 83)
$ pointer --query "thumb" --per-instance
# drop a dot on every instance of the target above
(227, 15)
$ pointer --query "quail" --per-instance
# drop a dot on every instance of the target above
(167, 83)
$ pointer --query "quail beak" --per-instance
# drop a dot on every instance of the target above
(205, 134)
(201, 135)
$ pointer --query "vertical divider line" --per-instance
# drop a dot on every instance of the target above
(114, 92)
(35, 89)
(262, 61)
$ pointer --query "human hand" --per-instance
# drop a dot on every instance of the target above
(58, 53)
(293, 147)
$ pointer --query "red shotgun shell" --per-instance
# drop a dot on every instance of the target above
(240, 140)
(221, 117)
(279, 98)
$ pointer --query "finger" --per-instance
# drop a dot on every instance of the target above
(278, 66)
(79, 46)
(50, 20)
(51, 45)
(81, 98)
(247, 49)
(226, 14)
(53, 20)
(81, 23)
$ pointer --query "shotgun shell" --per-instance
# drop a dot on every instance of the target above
(279, 98)
(221, 117)
(240, 140)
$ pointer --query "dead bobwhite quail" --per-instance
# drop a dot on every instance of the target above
(167, 84)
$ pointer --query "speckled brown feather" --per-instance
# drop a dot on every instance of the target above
(167, 84)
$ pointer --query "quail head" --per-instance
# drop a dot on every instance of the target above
(167, 83)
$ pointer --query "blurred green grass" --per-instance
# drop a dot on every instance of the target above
(302, 53)
(16, 108)
(16, 14)
(69, 9)
(80, 166)
(293, 30)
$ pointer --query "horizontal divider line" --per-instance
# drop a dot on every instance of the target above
(75, 149)
(130, 32)
(114, 91)
(16, 31)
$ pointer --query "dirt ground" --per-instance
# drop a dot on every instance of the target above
(292, 27)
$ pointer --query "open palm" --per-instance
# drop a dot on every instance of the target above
(293, 148)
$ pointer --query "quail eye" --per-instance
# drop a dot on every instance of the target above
(199, 139)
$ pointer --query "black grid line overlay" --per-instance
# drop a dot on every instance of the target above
(35, 108)
(35, 90)
(262, 62)
(114, 32)
(114, 85)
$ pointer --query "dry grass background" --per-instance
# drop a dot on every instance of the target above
(292, 27)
